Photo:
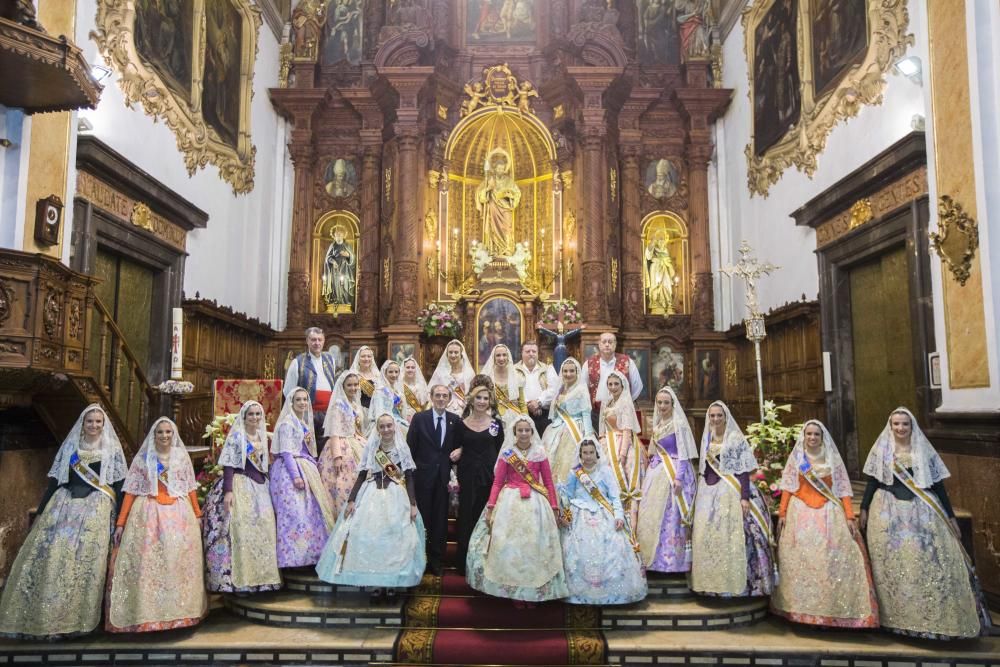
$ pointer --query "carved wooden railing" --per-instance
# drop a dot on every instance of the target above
(118, 372)
(60, 349)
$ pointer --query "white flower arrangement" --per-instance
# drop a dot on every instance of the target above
(520, 260)
(480, 257)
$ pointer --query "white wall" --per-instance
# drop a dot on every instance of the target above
(15, 127)
(233, 260)
(765, 222)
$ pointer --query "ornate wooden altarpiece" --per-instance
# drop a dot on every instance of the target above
(558, 151)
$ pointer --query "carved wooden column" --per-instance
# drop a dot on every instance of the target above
(408, 83)
(593, 81)
(701, 107)
(404, 270)
(366, 318)
(300, 105)
(632, 259)
(302, 155)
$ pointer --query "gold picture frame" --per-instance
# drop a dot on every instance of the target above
(192, 69)
(858, 80)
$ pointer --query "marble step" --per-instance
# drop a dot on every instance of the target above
(304, 580)
(663, 585)
(696, 613)
(310, 610)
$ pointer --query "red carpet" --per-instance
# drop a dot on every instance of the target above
(449, 623)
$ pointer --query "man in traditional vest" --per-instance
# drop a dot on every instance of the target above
(314, 371)
(599, 367)
(540, 382)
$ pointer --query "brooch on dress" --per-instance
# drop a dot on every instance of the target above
(494, 428)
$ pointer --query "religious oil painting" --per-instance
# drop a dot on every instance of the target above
(335, 263)
(500, 21)
(344, 32)
(708, 372)
(668, 369)
(662, 178)
(777, 97)
(399, 352)
(499, 321)
(839, 38)
(340, 178)
(164, 38)
(658, 33)
(640, 356)
(221, 97)
(189, 63)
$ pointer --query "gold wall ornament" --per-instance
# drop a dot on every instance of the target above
(796, 103)
(141, 216)
(387, 275)
(957, 238)
(284, 66)
(558, 111)
(498, 87)
(430, 225)
(665, 264)
(732, 370)
(203, 96)
(442, 112)
(613, 182)
(861, 213)
(614, 274)
(388, 184)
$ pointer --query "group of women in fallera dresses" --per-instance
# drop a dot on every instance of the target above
(568, 514)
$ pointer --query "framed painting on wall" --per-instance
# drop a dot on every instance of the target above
(499, 320)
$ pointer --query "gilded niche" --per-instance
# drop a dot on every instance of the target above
(811, 65)
(664, 264)
(190, 63)
(335, 263)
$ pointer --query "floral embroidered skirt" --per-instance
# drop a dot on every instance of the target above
(240, 549)
(921, 579)
(155, 581)
(56, 583)
(601, 565)
(825, 577)
(377, 545)
(304, 517)
(660, 531)
(730, 555)
(340, 482)
(520, 556)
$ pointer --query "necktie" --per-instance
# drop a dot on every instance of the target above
(437, 431)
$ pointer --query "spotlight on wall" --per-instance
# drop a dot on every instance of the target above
(99, 72)
(84, 126)
(911, 68)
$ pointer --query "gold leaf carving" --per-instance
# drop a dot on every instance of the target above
(956, 240)
(197, 140)
(862, 84)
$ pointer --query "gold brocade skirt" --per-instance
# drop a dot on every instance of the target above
(718, 543)
(824, 576)
(920, 574)
(157, 571)
(253, 535)
(56, 584)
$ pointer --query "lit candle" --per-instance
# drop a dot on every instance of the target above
(177, 345)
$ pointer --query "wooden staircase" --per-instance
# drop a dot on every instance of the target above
(61, 350)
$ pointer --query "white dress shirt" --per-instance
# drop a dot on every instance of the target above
(533, 390)
(634, 379)
(292, 376)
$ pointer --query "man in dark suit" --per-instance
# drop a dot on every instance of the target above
(432, 444)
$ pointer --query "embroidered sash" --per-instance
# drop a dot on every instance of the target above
(809, 473)
(459, 392)
(161, 474)
(588, 483)
(629, 484)
(367, 386)
(411, 399)
(506, 405)
(389, 469)
(931, 501)
(254, 456)
(520, 466)
(357, 426)
(574, 430)
(682, 503)
(87, 474)
(755, 511)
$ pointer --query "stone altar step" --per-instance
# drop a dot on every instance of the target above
(310, 610)
(696, 613)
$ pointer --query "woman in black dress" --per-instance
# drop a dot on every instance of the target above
(479, 437)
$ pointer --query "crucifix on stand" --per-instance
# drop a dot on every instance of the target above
(750, 270)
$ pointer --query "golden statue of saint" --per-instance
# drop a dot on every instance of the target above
(496, 198)
(660, 275)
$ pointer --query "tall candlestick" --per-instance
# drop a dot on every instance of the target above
(177, 345)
